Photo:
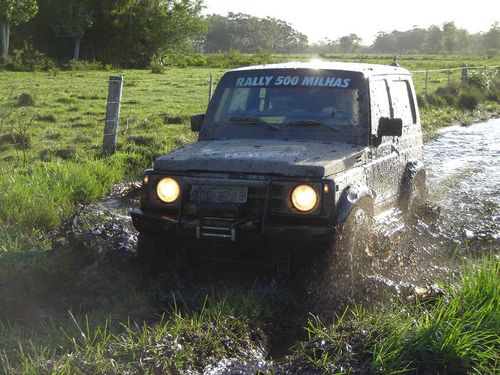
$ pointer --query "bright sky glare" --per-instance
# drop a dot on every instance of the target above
(320, 19)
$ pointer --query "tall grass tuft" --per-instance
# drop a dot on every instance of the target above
(455, 334)
(39, 196)
(458, 335)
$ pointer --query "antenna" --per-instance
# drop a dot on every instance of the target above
(395, 62)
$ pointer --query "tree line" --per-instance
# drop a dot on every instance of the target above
(444, 39)
(120, 32)
(132, 33)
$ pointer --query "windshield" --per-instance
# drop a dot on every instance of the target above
(290, 104)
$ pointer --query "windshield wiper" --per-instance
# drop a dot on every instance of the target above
(252, 121)
(310, 123)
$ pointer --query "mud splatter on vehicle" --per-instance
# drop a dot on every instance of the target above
(292, 158)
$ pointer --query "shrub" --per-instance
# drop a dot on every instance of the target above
(25, 100)
(16, 140)
(494, 95)
(450, 99)
(51, 154)
(46, 118)
(434, 100)
(453, 88)
(421, 101)
(470, 97)
(197, 60)
(29, 59)
(157, 69)
(175, 119)
(483, 79)
(468, 101)
(83, 65)
(66, 153)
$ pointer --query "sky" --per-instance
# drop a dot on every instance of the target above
(319, 19)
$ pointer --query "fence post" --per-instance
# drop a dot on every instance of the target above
(210, 88)
(112, 115)
(464, 73)
(426, 81)
(449, 77)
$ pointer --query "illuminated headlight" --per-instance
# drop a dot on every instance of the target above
(168, 190)
(304, 198)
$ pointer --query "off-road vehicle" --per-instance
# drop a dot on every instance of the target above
(295, 155)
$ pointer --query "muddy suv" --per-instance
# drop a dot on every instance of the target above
(293, 155)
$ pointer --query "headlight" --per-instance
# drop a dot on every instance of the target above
(304, 198)
(168, 190)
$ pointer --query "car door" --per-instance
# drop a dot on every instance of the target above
(403, 103)
(384, 170)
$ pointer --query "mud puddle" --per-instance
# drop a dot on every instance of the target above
(463, 178)
(461, 218)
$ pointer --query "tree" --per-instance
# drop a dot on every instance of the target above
(434, 41)
(450, 37)
(14, 12)
(349, 43)
(249, 34)
(129, 33)
(492, 37)
(72, 18)
(384, 42)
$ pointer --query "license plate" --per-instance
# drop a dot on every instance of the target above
(217, 194)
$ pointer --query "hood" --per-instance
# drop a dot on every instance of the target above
(306, 159)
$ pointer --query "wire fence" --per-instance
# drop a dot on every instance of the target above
(74, 106)
(167, 98)
(425, 79)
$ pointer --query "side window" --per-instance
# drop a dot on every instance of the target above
(402, 102)
(379, 102)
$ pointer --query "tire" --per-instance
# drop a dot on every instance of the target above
(414, 197)
(153, 248)
(353, 243)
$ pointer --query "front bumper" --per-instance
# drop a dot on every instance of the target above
(145, 221)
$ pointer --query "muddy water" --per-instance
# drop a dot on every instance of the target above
(460, 219)
(463, 167)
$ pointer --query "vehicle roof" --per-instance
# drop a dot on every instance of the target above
(366, 69)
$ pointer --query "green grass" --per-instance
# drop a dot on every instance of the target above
(39, 196)
(455, 334)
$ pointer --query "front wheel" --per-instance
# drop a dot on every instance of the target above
(414, 197)
(153, 248)
(353, 243)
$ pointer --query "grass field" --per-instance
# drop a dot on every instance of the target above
(51, 164)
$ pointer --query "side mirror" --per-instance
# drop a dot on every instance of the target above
(390, 127)
(197, 122)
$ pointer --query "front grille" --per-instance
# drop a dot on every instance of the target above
(266, 204)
